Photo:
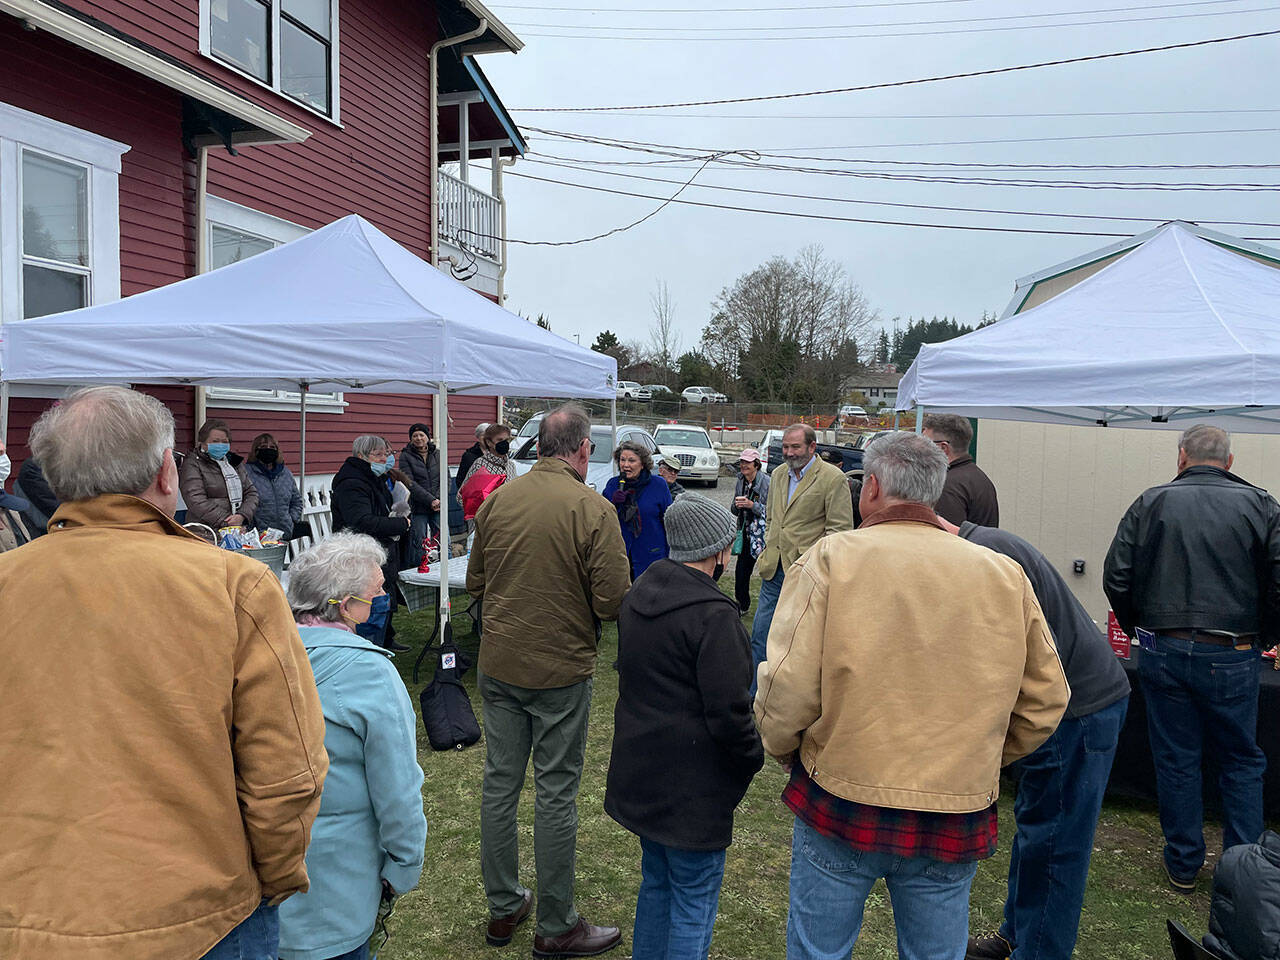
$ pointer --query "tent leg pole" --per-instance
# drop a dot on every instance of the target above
(613, 425)
(302, 444)
(4, 412)
(895, 419)
(442, 445)
(920, 418)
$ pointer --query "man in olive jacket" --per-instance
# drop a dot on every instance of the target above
(807, 501)
(906, 667)
(160, 731)
(549, 562)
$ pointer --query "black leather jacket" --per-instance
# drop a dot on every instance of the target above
(1202, 551)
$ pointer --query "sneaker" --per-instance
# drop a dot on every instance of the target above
(1181, 886)
(988, 946)
(395, 646)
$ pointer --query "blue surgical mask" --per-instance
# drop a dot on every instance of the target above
(391, 461)
(219, 450)
(379, 469)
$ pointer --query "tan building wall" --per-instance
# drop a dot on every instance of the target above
(1064, 489)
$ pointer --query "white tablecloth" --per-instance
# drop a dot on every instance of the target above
(421, 589)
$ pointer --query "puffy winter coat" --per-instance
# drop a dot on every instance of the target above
(1244, 917)
(279, 502)
(204, 489)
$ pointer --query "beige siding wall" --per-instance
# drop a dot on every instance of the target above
(1064, 489)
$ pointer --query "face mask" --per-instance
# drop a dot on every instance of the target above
(378, 610)
(6, 466)
(718, 572)
(267, 455)
(219, 450)
(503, 447)
(380, 469)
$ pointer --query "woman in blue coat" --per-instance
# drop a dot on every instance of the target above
(279, 502)
(369, 837)
(641, 501)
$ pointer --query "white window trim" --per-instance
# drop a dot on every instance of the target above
(236, 216)
(21, 129)
(206, 50)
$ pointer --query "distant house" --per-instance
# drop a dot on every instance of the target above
(878, 384)
(144, 141)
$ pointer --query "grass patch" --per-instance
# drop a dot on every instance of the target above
(1124, 912)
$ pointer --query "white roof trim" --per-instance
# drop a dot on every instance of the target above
(513, 43)
(88, 37)
(1022, 287)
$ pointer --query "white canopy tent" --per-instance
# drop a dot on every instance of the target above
(1178, 329)
(345, 308)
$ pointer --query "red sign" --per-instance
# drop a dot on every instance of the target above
(1118, 638)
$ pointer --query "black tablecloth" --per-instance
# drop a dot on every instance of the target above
(1133, 774)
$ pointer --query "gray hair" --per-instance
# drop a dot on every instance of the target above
(562, 431)
(366, 443)
(339, 566)
(908, 467)
(1203, 442)
(810, 435)
(102, 440)
(480, 429)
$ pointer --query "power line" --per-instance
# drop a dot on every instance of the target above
(992, 71)
(670, 36)
(834, 219)
(900, 205)
(949, 116)
(823, 6)
(890, 23)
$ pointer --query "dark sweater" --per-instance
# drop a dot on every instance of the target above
(685, 746)
(969, 495)
(1097, 680)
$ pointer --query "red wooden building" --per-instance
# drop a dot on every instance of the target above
(142, 141)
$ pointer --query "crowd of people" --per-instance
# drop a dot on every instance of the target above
(211, 767)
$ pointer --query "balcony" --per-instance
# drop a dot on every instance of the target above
(470, 219)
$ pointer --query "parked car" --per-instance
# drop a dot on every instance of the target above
(692, 447)
(851, 458)
(630, 390)
(703, 395)
(600, 468)
(528, 429)
(850, 410)
(658, 391)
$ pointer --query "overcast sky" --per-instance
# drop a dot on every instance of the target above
(904, 271)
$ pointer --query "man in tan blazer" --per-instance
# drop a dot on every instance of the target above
(808, 500)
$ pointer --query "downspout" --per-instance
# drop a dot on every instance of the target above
(502, 228)
(202, 256)
(433, 120)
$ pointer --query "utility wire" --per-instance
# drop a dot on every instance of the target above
(594, 33)
(824, 6)
(991, 71)
(889, 23)
(948, 116)
(908, 206)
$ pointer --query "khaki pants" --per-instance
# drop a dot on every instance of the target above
(550, 726)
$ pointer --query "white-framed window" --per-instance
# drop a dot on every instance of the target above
(59, 216)
(290, 46)
(234, 232)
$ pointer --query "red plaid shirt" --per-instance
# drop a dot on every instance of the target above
(950, 837)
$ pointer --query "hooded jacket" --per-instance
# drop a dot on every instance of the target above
(371, 826)
(1244, 916)
(204, 489)
(684, 745)
(165, 747)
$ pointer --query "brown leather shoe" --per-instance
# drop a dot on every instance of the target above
(501, 929)
(584, 940)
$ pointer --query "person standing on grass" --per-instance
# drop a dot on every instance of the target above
(1195, 566)
(472, 453)
(684, 745)
(549, 563)
(750, 496)
(906, 666)
(640, 499)
(806, 502)
(1060, 785)
(162, 739)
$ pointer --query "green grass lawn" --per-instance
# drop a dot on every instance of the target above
(1124, 912)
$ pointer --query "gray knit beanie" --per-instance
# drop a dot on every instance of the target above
(697, 528)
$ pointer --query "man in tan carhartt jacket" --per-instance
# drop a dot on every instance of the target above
(905, 667)
(160, 732)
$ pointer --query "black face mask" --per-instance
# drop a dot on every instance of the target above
(267, 455)
(718, 572)
(502, 447)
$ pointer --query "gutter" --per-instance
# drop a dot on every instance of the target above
(433, 121)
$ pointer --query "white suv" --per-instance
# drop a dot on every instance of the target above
(630, 390)
(703, 395)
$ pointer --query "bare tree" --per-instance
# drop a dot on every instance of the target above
(664, 338)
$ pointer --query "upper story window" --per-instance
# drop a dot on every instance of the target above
(288, 45)
(59, 216)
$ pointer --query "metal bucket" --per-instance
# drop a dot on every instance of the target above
(273, 557)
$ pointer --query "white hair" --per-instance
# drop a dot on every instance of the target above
(909, 467)
(102, 440)
(365, 444)
(339, 566)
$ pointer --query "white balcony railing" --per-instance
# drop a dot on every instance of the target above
(469, 217)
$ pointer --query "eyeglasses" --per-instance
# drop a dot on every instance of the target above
(592, 442)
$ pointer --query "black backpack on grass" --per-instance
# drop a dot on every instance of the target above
(446, 709)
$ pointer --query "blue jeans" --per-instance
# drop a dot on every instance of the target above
(676, 908)
(1060, 788)
(418, 524)
(769, 591)
(1198, 694)
(830, 881)
(359, 953)
(256, 938)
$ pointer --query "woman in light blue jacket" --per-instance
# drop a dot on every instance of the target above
(370, 835)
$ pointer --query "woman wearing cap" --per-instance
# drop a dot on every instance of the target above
(641, 500)
(750, 497)
(669, 470)
(420, 461)
(685, 747)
